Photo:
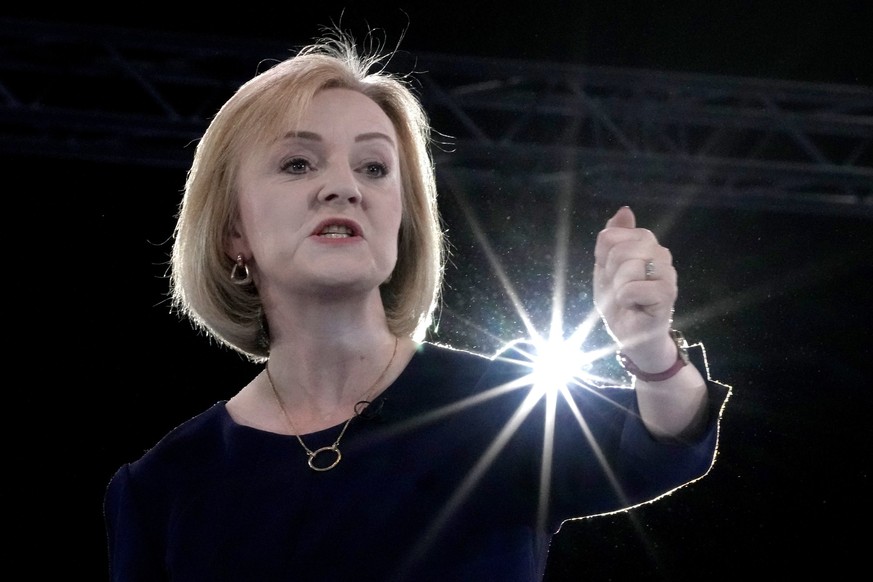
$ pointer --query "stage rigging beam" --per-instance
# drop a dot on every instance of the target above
(138, 97)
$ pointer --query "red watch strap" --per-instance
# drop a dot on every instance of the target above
(628, 365)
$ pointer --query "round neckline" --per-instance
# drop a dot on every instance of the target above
(410, 368)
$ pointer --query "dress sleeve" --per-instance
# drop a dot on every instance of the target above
(602, 459)
(659, 466)
(132, 544)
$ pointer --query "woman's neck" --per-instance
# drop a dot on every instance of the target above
(327, 355)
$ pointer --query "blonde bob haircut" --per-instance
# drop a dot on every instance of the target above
(259, 112)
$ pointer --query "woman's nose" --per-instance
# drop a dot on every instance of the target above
(340, 186)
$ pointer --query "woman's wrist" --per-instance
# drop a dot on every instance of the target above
(660, 367)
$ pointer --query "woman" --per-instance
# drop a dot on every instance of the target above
(308, 240)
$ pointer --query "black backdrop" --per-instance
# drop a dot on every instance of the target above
(780, 300)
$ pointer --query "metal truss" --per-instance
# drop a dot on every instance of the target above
(136, 97)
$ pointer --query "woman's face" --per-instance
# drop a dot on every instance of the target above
(320, 208)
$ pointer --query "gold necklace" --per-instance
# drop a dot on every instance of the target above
(334, 448)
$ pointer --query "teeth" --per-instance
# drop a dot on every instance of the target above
(336, 231)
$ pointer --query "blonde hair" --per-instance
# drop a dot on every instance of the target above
(200, 284)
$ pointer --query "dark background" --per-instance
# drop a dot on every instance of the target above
(779, 298)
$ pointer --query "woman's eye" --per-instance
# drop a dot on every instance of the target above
(296, 166)
(375, 170)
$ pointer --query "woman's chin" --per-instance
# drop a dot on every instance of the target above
(346, 284)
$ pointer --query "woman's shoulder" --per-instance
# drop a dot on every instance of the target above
(196, 440)
(191, 459)
(441, 365)
(438, 351)
(442, 362)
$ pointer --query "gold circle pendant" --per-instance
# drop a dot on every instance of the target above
(331, 449)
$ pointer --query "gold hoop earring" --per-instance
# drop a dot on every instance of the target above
(240, 274)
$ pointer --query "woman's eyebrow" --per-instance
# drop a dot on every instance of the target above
(374, 135)
(312, 136)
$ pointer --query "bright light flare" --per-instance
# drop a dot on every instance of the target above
(559, 366)
(559, 363)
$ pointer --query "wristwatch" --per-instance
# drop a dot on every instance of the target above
(682, 360)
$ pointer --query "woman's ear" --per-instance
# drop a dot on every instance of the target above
(235, 243)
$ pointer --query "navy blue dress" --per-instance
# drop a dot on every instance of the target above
(439, 480)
